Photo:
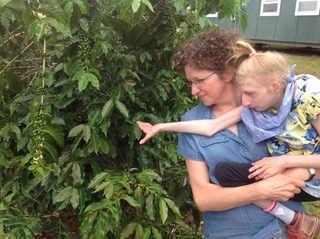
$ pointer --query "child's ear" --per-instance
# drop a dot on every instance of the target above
(275, 87)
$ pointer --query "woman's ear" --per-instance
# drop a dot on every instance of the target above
(229, 75)
(275, 87)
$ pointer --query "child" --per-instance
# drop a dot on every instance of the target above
(279, 108)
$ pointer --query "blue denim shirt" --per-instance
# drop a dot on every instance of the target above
(245, 222)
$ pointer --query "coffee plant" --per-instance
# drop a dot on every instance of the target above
(75, 76)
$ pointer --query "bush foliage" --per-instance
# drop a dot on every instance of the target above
(75, 76)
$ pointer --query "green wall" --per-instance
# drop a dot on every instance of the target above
(285, 28)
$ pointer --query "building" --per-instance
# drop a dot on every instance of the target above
(281, 22)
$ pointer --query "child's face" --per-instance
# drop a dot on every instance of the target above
(257, 96)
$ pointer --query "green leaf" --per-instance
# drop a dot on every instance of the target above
(86, 133)
(163, 209)
(64, 194)
(59, 26)
(40, 29)
(16, 130)
(137, 131)
(107, 108)
(97, 179)
(76, 130)
(105, 47)
(84, 8)
(51, 150)
(150, 206)
(104, 146)
(139, 231)
(4, 2)
(83, 82)
(162, 91)
(95, 141)
(67, 10)
(128, 230)
(178, 4)
(56, 133)
(115, 211)
(25, 159)
(198, 6)
(74, 199)
(93, 117)
(108, 189)
(135, 5)
(93, 216)
(146, 234)
(100, 231)
(148, 4)
(173, 206)
(6, 152)
(149, 175)
(76, 173)
(131, 201)
(122, 108)
(97, 205)
(156, 234)
(93, 80)
(138, 196)
(84, 25)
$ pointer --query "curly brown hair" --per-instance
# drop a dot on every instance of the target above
(210, 50)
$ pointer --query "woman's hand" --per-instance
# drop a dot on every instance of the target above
(149, 129)
(267, 167)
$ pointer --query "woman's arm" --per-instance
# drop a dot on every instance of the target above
(212, 197)
(202, 127)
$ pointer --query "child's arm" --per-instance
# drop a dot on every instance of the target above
(270, 166)
(202, 127)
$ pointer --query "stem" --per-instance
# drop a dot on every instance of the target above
(43, 70)
(15, 58)
(10, 37)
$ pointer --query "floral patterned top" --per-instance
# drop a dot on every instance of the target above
(299, 137)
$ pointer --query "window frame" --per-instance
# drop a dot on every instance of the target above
(268, 14)
(215, 14)
(307, 13)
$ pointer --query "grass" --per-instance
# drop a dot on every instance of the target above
(306, 64)
(307, 60)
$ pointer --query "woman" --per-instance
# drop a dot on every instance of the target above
(282, 109)
(227, 212)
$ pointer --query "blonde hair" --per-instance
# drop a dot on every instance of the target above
(264, 67)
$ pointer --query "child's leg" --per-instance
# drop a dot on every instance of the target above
(233, 174)
(236, 174)
(304, 197)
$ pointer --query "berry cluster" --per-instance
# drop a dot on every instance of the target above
(167, 13)
(38, 135)
(84, 44)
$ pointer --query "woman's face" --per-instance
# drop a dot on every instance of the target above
(207, 85)
(257, 96)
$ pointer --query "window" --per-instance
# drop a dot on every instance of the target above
(307, 7)
(213, 14)
(270, 7)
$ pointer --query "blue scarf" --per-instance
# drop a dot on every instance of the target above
(263, 125)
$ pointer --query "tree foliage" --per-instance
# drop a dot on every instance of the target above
(75, 76)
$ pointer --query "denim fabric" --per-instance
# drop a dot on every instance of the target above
(247, 222)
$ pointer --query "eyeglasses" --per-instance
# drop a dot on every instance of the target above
(200, 82)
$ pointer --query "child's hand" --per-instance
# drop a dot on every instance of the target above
(267, 167)
(149, 129)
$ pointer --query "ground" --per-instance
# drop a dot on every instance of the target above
(51, 230)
